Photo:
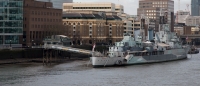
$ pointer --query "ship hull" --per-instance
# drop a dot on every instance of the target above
(169, 55)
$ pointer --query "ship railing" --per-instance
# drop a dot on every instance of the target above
(97, 54)
(145, 53)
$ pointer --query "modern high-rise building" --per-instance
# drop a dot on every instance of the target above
(11, 22)
(57, 3)
(195, 4)
(151, 9)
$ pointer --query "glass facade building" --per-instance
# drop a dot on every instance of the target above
(11, 21)
(57, 3)
(195, 5)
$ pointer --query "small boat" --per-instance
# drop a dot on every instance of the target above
(193, 50)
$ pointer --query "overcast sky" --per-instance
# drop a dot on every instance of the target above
(130, 6)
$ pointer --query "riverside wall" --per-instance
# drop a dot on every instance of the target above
(8, 56)
(21, 53)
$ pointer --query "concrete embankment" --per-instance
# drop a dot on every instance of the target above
(37, 60)
(19, 55)
(36, 55)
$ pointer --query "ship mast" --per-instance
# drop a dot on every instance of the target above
(161, 20)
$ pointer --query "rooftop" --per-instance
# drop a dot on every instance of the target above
(89, 16)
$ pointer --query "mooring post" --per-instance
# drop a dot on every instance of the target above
(69, 55)
(45, 59)
(43, 56)
(47, 56)
(50, 56)
(55, 55)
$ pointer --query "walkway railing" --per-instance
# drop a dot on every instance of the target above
(69, 49)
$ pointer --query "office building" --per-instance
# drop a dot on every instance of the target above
(11, 23)
(193, 21)
(94, 6)
(40, 20)
(152, 8)
(181, 17)
(128, 23)
(57, 3)
(195, 7)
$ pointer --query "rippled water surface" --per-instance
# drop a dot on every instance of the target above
(176, 73)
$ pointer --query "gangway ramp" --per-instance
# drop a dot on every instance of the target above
(69, 49)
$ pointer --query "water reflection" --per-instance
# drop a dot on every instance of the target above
(177, 73)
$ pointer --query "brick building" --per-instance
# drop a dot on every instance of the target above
(40, 20)
(88, 27)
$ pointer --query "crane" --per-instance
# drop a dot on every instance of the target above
(188, 8)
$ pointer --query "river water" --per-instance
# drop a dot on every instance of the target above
(76, 73)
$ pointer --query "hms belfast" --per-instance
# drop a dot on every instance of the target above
(166, 47)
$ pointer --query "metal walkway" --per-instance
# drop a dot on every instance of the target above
(59, 42)
(69, 49)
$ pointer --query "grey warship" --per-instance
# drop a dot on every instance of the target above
(129, 51)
